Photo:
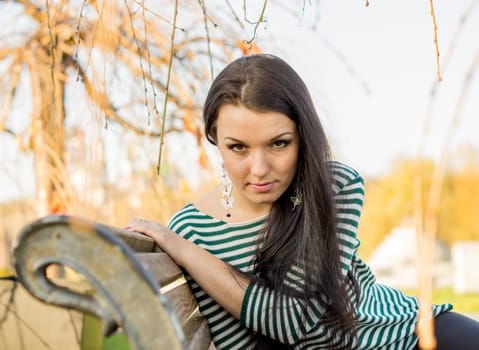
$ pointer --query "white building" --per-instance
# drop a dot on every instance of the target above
(395, 260)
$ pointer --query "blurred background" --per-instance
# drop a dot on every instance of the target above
(98, 119)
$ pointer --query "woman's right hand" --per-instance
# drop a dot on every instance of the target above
(147, 227)
(219, 280)
(166, 239)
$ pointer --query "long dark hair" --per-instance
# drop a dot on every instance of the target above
(304, 237)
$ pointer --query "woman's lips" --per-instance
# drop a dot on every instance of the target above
(262, 187)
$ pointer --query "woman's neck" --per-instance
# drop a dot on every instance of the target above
(245, 210)
(241, 210)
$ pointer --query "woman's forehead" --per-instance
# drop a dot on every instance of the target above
(239, 120)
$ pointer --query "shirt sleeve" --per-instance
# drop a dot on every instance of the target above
(281, 317)
(348, 188)
(283, 321)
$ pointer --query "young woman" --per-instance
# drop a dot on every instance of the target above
(271, 252)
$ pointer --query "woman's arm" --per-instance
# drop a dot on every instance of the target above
(247, 301)
(221, 282)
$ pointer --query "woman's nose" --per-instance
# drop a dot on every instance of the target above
(259, 165)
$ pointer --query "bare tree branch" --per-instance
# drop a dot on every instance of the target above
(170, 64)
(436, 42)
(257, 23)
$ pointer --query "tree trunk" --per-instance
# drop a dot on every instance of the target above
(48, 135)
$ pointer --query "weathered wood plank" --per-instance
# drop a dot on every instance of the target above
(160, 266)
(136, 241)
(200, 339)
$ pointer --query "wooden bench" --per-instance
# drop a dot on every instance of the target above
(132, 285)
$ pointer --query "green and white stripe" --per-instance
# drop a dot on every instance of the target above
(387, 317)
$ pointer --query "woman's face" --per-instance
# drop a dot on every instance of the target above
(260, 153)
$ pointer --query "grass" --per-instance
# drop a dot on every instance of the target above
(464, 302)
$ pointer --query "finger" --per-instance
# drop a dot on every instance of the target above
(135, 222)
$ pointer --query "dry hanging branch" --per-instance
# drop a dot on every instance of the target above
(207, 31)
(236, 17)
(349, 67)
(146, 9)
(257, 23)
(165, 103)
(140, 58)
(425, 239)
(425, 323)
(436, 43)
(449, 51)
(145, 28)
(426, 231)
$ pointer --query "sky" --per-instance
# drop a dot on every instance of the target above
(370, 71)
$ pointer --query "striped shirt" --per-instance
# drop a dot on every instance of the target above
(387, 317)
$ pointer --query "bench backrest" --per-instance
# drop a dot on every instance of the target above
(133, 285)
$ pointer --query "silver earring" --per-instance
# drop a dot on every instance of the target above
(226, 197)
(297, 199)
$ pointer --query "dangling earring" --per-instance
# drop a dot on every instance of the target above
(226, 197)
(297, 199)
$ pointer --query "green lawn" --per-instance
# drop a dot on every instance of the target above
(467, 302)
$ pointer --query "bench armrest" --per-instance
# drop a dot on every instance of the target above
(124, 293)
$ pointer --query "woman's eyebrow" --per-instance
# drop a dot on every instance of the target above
(230, 138)
(281, 135)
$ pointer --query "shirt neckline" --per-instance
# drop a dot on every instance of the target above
(239, 223)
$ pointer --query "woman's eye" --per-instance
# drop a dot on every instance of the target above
(280, 143)
(237, 147)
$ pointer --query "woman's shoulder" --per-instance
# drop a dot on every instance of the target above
(183, 214)
(209, 202)
(340, 169)
(196, 212)
(344, 175)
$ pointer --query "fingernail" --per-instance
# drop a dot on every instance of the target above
(126, 227)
